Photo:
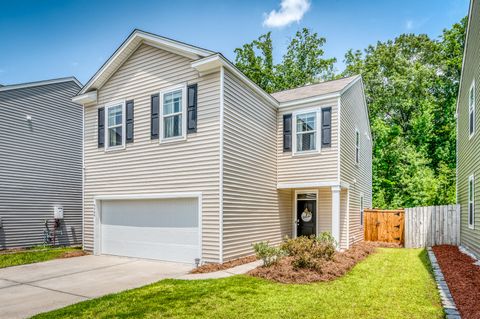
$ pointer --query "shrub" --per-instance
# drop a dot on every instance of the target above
(269, 254)
(310, 252)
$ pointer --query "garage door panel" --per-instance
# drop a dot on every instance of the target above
(164, 229)
(150, 234)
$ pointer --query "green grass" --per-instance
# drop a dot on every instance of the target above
(394, 283)
(33, 255)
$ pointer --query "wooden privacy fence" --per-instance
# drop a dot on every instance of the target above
(384, 225)
(414, 227)
(432, 225)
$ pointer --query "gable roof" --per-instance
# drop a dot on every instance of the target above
(313, 90)
(133, 41)
(39, 83)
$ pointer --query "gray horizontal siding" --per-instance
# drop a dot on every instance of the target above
(469, 149)
(41, 163)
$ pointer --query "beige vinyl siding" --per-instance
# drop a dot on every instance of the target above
(145, 166)
(324, 216)
(344, 232)
(354, 116)
(253, 209)
(318, 167)
(468, 150)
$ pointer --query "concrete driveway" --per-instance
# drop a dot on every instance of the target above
(31, 289)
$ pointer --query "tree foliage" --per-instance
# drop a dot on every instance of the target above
(302, 64)
(411, 85)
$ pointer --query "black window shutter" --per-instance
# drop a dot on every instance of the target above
(155, 108)
(101, 127)
(287, 132)
(326, 127)
(192, 108)
(129, 121)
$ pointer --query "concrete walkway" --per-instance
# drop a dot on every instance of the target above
(31, 289)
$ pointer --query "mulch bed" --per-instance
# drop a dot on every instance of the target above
(341, 263)
(463, 279)
(70, 254)
(229, 264)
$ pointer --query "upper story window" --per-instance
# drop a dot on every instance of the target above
(471, 201)
(115, 124)
(471, 110)
(306, 131)
(172, 113)
(357, 146)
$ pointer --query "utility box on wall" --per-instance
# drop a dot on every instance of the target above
(58, 212)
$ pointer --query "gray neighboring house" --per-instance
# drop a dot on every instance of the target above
(468, 135)
(40, 162)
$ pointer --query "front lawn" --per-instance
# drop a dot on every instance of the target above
(34, 255)
(394, 283)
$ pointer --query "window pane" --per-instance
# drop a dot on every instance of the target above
(172, 102)
(471, 122)
(306, 122)
(357, 138)
(115, 115)
(172, 126)
(470, 213)
(306, 142)
(471, 98)
(307, 196)
(115, 136)
(470, 190)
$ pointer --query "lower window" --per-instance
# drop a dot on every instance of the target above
(115, 125)
(172, 114)
(306, 125)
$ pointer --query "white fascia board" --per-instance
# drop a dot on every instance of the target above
(213, 62)
(349, 85)
(464, 53)
(39, 83)
(148, 196)
(151, 39)
(307, 185)
(85, 98)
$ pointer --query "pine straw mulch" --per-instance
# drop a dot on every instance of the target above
(229, 264)
(75, 253)
(463, 279)
(341, 263)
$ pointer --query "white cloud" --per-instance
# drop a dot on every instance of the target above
(409, 24)
(290, 11)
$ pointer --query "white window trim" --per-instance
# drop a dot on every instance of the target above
(357, 147)
(318, 131)
(118, 147)
(362, 208)
(472, 110)
(183, 88)
(471, 179)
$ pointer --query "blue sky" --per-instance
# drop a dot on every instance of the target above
(56, 38)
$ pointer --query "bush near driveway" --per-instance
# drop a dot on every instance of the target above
(37, 254)
(393, 283)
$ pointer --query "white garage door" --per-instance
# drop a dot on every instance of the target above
(163, 229)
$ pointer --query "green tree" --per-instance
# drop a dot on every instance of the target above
(411, 84)
(303, 63)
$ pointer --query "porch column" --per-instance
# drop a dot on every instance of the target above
(336, 213)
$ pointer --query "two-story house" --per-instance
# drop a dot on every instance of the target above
(40, 164)
(468, 139)
(186, 158)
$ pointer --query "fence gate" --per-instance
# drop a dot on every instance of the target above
(384, 225)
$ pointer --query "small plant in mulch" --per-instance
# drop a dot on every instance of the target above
(313, 259)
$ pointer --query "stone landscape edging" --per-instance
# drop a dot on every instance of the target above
(448, 303)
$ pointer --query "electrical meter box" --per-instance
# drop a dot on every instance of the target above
(58, 212)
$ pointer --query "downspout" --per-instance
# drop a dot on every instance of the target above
(220, 188)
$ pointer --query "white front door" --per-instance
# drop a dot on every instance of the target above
(163, 229)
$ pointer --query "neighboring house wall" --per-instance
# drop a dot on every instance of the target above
(145, 166)
(468, 150)
(305, 168)
(40, 163)
(253, 209)
(354, 118)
